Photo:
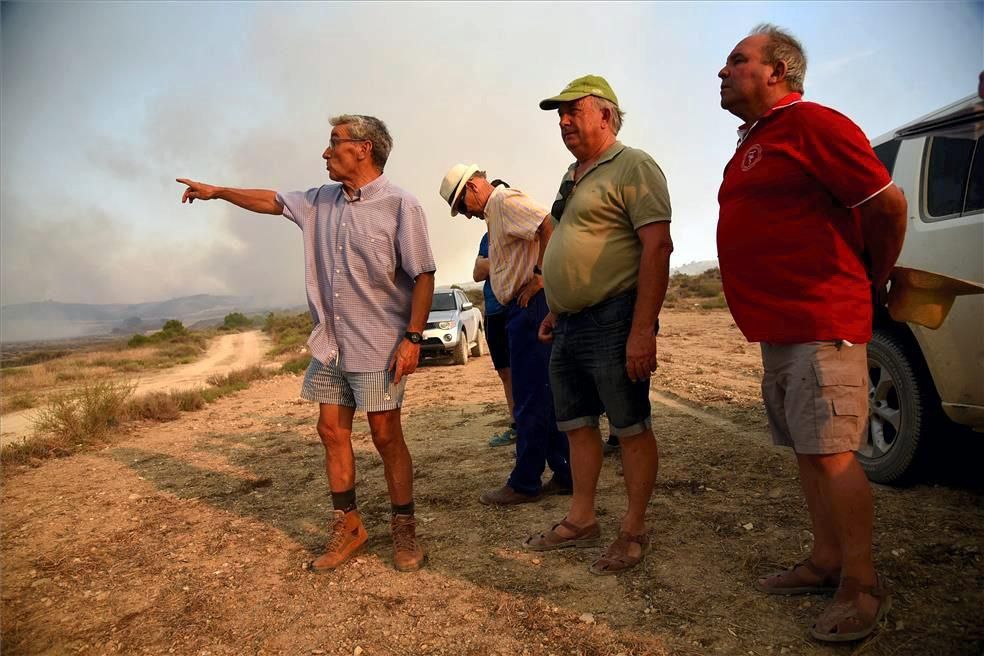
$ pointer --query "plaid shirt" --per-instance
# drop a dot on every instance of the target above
(361, 256)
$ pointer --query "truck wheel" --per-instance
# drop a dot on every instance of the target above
(460, 353)
(479, 349)
(901, 411)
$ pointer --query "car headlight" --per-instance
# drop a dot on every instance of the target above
(446, 325)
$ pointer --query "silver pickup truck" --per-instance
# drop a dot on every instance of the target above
(455, 326)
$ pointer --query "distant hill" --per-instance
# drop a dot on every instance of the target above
(695, 268)
(54, 320)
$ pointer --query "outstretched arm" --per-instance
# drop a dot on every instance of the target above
(263, 201)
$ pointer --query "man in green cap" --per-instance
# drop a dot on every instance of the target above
(605, 273)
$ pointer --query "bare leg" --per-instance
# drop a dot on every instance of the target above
(826, 554)
(640, 462)
(335, 431)
(585, 445)
(387, 435)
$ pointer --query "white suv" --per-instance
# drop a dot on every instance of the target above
(922, 378)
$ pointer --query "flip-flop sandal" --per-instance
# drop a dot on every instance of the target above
(617, 559)
(584, 536)
(841, 621)
(789, 582)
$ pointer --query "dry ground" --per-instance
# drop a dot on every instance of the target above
(189, 537)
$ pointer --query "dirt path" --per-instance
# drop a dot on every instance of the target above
(226, 353)
(189, 537)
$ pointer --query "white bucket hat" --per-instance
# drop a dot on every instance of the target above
(453, 184)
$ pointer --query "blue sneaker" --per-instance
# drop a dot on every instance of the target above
(506, 438)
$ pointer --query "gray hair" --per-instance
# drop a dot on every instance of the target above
(372, 130)
(617, 114)
(784, 47)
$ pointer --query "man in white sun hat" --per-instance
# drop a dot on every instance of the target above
(519, 230)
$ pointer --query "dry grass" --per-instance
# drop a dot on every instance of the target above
(51, 377)
(93, 413)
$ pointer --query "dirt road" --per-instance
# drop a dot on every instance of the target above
(190, 537)
(226, 353)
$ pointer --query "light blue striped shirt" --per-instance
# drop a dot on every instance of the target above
(361, 257)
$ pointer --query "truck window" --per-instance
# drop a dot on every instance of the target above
(975, 186)
(887, 152)
(947, 174)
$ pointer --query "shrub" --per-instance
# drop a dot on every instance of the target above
(85, 415)
(236, 320)
(138, 340)
(158, 406)
(296, 365)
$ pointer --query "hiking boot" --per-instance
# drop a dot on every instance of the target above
(347, 536)
(408, 556)
(506, 438)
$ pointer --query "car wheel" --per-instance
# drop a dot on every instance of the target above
(479, 349)
(900, 411)
(460, 353)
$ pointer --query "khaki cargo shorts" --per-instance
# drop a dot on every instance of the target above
(816, 395)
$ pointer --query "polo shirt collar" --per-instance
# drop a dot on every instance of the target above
(608, 155)
(784, 102)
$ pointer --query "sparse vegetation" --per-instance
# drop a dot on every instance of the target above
(296, 365)
(703, 291)
(288, 333)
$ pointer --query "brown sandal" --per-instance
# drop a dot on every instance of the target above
(790, 582)
(842, 620)
(584, 536)
(617, 559)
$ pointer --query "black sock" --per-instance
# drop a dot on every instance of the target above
(344, 501)
(405, 509)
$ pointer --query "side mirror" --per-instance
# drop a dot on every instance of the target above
(468, 305)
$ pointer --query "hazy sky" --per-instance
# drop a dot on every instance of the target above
(103, 105)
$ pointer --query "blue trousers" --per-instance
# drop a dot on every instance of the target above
(538, 441)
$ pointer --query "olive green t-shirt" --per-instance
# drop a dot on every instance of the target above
(594, 251)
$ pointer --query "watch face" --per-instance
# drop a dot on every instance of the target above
(416, 338)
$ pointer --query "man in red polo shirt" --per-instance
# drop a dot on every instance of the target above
(810, 221)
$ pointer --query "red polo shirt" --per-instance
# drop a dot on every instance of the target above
(789, 234)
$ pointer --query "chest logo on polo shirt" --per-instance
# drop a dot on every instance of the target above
(751, 158)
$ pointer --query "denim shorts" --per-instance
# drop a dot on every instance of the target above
(587, 370)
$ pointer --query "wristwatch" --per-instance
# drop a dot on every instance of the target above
(415, 338)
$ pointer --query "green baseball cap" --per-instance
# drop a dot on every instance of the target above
(589, 85)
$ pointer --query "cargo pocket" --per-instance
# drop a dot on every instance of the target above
(840, 401)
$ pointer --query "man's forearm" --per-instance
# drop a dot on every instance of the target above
(263, 201)
(481, 270)
(420, 304)
(654, 276)
(883, 224)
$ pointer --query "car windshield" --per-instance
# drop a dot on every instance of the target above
(443, 301)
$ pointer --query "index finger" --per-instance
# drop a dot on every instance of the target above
(184, 181)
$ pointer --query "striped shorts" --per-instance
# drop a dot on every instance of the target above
(371, 391)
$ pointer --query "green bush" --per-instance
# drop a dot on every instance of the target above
(138, 340)
(297, 365)
(236, 320)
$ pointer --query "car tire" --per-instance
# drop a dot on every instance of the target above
(901, 410)
(460, 353)
(479, 349)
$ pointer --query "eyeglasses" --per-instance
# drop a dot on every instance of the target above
(557, 209)
(461, 202)
(334, 141)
